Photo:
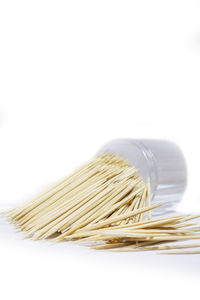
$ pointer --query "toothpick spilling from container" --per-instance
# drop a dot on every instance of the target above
(105, 202)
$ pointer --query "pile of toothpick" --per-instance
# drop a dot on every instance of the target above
(105, 203)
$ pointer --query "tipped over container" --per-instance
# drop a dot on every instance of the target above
(159, 160)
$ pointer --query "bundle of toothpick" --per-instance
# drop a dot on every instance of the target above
(107, 204)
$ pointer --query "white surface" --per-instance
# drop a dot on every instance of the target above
(73, 75)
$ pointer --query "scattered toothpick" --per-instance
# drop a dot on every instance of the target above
(105, 201)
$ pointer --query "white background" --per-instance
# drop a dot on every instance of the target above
(73, 75)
